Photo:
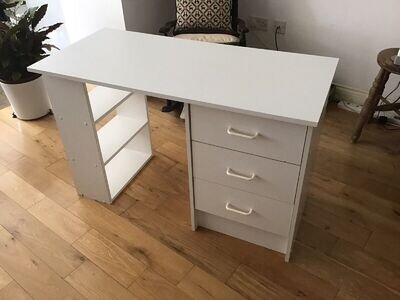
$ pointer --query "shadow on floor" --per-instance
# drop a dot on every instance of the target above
(3, 100)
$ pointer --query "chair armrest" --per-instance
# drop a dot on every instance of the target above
(167, 27)
(241, 27)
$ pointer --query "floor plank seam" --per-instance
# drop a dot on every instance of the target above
(329, 258)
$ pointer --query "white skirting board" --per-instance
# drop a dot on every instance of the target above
(349, 94)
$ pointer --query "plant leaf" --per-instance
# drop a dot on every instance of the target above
(47, 30)
(48, 47)
(38, 15)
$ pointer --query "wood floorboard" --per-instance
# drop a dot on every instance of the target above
(357, 206)
(3, 169)
(60, 220)
(254, 286)
(5, 279)
(38, 238)
(353, 283)
(13, 291)
(44, 181)
(201, 285)
(94, 284)
(116, 262)
(335, 225)
(31, 272)
(135, 241)
(379, 269)
(54, 245)
(151, 286)
(187, 243)
(26, 145)
(20, 191)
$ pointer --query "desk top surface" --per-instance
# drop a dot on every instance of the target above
(277, 85)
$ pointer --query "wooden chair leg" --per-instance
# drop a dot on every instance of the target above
(375, 94)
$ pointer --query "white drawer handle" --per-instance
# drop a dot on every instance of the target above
(234, 132)
(231, 173)
(237, 211)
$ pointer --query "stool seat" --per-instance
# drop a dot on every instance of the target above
(386, 62)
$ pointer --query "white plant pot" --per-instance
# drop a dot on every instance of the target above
(29, 100)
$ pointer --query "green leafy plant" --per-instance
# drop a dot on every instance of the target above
(4, 6)
(21, 42)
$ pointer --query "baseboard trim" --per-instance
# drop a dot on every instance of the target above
(349, 94)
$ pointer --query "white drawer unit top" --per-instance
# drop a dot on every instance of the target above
(249, 209)
(263, 137)
(277, 85)
(254, 174)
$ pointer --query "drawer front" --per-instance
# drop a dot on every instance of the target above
(265, 177)
(268, 138)
(249, 209)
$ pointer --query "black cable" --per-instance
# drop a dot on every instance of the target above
(395, 89)
(388, 95)
(276, 37)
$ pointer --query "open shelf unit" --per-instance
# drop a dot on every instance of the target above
(102, 161)
(124, 142)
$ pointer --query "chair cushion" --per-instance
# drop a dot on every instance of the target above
(203, 16)
(210, 38)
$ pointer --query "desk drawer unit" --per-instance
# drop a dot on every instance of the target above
(254, 174)
(268, 138)
(249, 209)
(247, 175)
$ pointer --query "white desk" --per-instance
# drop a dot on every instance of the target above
(251, 121)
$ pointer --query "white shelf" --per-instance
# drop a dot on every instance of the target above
(103, 100)
(117, 133)
(123, 167)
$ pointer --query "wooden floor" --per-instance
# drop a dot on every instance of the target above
(54, 245)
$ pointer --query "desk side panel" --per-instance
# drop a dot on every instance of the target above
(302, 185)
(190, 163)
(71, 107)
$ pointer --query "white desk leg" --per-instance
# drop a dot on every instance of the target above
(186, 111)
(75, 122)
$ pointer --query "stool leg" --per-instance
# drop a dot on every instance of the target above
(375, 94)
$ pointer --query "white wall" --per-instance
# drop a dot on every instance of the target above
(148, 15)
(83, 17)
(54, 15)
(353, 30)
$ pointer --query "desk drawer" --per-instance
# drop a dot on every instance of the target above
(275, 139)
(250, 209)
(265, 177)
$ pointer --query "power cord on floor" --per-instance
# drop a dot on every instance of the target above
(276, 37)
(387, 96)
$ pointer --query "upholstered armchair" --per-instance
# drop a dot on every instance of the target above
(213, 21)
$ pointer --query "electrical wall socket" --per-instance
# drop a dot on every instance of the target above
(281, 25)
(259, 23)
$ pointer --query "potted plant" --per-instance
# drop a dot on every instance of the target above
(22, 44)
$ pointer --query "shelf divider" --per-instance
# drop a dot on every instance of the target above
(128, 162)
(116, 134)
(103, 100)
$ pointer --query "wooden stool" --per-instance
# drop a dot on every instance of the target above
(385, 61)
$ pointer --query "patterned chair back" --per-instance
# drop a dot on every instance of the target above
(206, 16)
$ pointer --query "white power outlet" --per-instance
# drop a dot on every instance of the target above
(259, 23)
(281, 25)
